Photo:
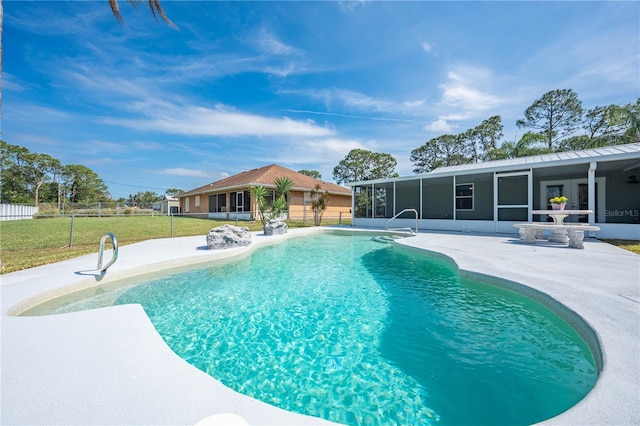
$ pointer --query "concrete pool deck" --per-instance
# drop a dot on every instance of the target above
(110, 366)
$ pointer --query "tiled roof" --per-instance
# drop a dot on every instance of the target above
(266, 176)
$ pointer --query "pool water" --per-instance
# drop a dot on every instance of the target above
(357, 331)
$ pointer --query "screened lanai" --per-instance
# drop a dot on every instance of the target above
(493, 196)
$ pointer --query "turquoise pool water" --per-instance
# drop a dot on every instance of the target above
(354, 330)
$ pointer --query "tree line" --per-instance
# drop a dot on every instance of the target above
(555, 123)
(32, 178)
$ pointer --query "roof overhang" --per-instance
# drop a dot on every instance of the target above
(629, 152)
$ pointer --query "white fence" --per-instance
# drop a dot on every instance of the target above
(17, 211)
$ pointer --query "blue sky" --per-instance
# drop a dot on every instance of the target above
(244, 84)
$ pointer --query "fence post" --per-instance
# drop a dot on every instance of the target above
(340, 219)
(171, 226)
(71, 233)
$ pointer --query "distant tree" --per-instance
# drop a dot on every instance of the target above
(12, 180)
(24, 173)
(576, 143)
(31, 177)
(488, 134)
(83, 185)
(605, 122)
(529, 144)
(445, 150)
(605, 126)
(557, 114)
(39, 169)
(632, 115)
(311, 173)
(153, 4)
(174, 191)
(361, 165)
(143, 199)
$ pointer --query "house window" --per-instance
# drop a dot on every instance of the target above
(222, 203)
(218, 203)
(186, 204)
(464, 196)
(197, 201)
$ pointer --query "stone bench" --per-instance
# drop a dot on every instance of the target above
(572, 233)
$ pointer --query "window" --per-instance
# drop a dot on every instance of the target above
(186, 204)
(464, 196)
(196, 202)
(218, 203)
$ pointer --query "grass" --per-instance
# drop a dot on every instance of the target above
(29, 243)
(632, 246)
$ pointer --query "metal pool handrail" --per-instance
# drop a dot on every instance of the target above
(403, 229)
(115, 252)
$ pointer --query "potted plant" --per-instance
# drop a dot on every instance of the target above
(558, 203)
(272, 213)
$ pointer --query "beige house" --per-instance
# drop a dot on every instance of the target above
(231, 199)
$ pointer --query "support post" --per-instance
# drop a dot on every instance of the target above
(591, 185)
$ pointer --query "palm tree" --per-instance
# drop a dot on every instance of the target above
(260, 195)
(277, 207)
(319, 204)
(153, 4)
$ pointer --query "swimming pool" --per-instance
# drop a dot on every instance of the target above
(360, 332)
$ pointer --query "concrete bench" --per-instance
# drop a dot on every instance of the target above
(572, 233)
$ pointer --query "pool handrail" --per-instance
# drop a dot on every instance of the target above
(386, 225)
(114, 242)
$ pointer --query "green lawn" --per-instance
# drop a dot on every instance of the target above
(28, 243)
(633, 246)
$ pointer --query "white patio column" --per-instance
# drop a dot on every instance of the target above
(394, 198)
(591, 187)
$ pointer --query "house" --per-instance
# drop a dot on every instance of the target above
(494, 195)
(167, 205)
(230, 198)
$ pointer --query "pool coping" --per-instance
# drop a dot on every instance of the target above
(109, 366)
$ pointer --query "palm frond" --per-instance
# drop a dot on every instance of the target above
(154, 5)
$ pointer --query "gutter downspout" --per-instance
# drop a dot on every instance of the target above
(591, 180)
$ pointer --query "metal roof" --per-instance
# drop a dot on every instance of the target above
(607, 153)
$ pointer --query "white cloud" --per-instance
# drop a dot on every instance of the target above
(151, 146)
(332, 147)
(466, 96)
(439, 126)
(220, 121)
(269, 44)
(414, 104)
(427, 47)
(342, 100)
(178, 171)
(463, 92)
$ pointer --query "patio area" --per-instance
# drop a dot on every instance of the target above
(110, 366)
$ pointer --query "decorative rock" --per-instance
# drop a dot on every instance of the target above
(228, 236)
(275, 227)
